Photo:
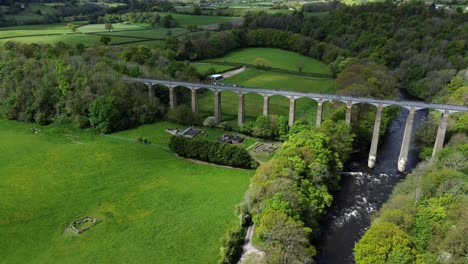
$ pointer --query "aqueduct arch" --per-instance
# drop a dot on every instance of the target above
(320, 98)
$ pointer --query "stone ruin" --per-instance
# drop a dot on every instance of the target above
(231, 139)
(83, 224)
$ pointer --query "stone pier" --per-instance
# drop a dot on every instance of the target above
(241, 110)
(172, 97)
(151, 91)
(375, 138)
(217, 106)
(266, 105)
(194, 101)
(318, 119)
(292, 110)
(439, 143)
(405, 144)
(349, 105)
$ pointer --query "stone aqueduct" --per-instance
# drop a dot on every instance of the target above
(412, 106)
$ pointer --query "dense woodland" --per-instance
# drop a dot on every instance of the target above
(424, 47)
(290, 194)
(43, 83)
(425, 220)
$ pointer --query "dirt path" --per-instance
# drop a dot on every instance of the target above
(248, 249)
(233, 72)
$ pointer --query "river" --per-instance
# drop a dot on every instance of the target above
(364, 192)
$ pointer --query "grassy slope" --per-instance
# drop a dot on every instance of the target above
(305, 108)
(116, 27)
(44, 9)
(204, 67)
(36, 34)
(147, 33)
(120, 34)
(86, 39)
(155, 207)
(275, 58)
(283, 81)
(16, 31)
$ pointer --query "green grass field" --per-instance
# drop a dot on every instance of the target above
(17, 31)
(161, 139)
(93, 28)
(53, 33)
(87, 34)
(305, 108)
(154, 206)
(32, 14)
(276, 58)
(185, 20)
(25, 17)
(43, 9)
(86, 39)
(283, 81)
(158, 33)
(204, 67)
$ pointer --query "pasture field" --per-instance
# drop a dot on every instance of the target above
(305, 108)
(359, 2)
(43, 29)
(204, 67)
(25, 17)
(185, 20)
(158, 33)
(242, 10)
(43, 9)
(30, 30)
(33, 13)
(52, 33)
(94, 28)
(86, 39)
(275, 58)
(283, 81)
(154, 206)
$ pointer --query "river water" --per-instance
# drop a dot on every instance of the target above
(363, 193)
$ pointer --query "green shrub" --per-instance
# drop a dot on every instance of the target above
(183, 115)
(264, 127)
(41, 118)
(209, 122)
(143, 140)
(247, 128)
(105, 113)
(214, 152)
(231, 249)
(225, 126)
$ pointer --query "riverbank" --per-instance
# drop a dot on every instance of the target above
(361, 195)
